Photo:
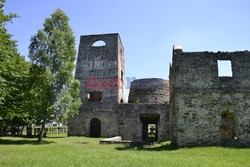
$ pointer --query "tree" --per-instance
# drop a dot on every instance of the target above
(7, 49)
(13, 76)
(52, 52)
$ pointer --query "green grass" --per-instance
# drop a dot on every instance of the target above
(59, 150)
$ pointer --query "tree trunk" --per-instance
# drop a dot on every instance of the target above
(13, 129)
(5, 130)
(41, 134)
(21, 131)
(18, 130)
(29, 131)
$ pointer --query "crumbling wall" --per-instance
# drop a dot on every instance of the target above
(199, 97)
(199, 117)
(130, 124)
(80, 124)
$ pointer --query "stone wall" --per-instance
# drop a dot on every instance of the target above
(123, 120)
(130, 123)
(80, 124)
(199, 97)
(199, 117)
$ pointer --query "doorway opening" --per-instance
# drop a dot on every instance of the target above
(95, 127)
(228, 126)
(149, 127)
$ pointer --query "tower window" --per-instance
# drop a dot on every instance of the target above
(94, 96)
(99, 43)
(225, 68)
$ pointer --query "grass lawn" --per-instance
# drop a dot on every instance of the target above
(59, 150)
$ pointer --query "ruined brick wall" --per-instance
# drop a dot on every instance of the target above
(150, 90)
(200, 98)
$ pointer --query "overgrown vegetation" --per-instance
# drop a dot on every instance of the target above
(57, 150)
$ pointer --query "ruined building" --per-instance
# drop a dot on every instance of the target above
(100, 69)
(204, 108)
(208, 109)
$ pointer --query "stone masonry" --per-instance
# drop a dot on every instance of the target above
(195, 107)
(153, 90)
(207, 109)
(101, 72)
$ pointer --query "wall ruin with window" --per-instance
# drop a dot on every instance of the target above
(206, 108)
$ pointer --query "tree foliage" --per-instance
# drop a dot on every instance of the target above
(52, 52)
(45, 88)
(13, 76)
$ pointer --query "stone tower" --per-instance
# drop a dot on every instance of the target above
(100, 70)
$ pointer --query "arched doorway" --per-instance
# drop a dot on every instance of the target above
(95, 127)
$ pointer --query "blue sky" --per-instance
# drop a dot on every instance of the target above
(148, 28)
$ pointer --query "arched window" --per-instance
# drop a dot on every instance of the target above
(99, 43)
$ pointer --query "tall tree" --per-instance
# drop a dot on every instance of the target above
(52, 51)
(13, 75)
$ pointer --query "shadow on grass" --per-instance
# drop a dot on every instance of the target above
(165, 147)
(22, 142)
(56, 137)
(220, 146)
